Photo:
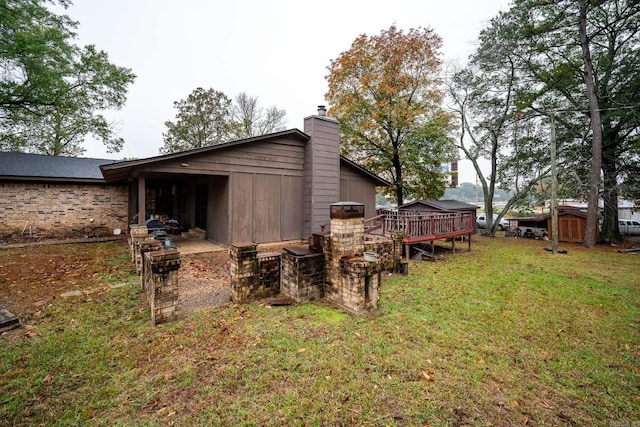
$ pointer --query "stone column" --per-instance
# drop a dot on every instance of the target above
(161, 284)
(397, 237)
(139, 233)
(144, 247)
(244, 270)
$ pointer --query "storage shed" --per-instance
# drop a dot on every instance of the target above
(571, 225)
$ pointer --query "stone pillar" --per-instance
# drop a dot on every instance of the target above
(144, 247)
(397, 237)
(244, 270)
(161, 284)
(139, 233)
(346, 240)
(351, 282)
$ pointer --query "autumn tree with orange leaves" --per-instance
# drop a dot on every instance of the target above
(386, 93)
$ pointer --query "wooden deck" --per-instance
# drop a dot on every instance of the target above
(423, 227)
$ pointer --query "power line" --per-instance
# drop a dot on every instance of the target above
(623, 107)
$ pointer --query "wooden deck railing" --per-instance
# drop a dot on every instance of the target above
(423, 226)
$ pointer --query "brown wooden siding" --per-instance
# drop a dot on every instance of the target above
(286, 156)
(291, 227)
(268, 207)
(356, 188)
(241, 213)
(265, 208)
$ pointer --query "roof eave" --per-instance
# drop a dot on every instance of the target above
(56, 179)
(296, 133)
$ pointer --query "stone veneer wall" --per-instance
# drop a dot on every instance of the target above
(269, 274)
(62, 210)
(346, 239)
(303, 276)
(388, 248)
(351, 282)
(360, 288)
(253, 276)
(161, 284)
(384, 248)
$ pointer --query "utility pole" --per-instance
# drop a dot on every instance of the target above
(554, 187)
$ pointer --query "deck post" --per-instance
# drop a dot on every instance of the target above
(407, 250)
(453, 245)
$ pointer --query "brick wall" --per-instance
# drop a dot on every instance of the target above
(303, 276)
(61, 210)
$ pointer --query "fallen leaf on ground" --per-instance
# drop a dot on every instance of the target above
(545, 405)
(426, 376)
(302, 350)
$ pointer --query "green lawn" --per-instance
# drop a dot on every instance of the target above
(507, 334)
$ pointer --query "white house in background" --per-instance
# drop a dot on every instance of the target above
(629, 209)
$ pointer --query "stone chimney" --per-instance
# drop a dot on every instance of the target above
(321, 170)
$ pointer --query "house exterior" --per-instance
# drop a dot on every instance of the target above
(54, 196)
(270, 188)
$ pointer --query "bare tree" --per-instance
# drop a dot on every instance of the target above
(250, 119)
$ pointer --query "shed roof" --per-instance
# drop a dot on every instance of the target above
(444, 205)
(27, 166)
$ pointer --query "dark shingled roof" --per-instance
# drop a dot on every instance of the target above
(38, 166)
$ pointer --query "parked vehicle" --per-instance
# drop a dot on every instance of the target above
(629, 227)
(482, 222)
(533, 233)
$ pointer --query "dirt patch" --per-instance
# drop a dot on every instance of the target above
(33, 276)
(204, 281)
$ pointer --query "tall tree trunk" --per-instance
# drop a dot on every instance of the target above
(610, 230)
(397, 167)
(591, 229)
(490, 192)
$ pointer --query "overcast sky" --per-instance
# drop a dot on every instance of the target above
(277, 50)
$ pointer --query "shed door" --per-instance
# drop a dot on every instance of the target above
(202, 198)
